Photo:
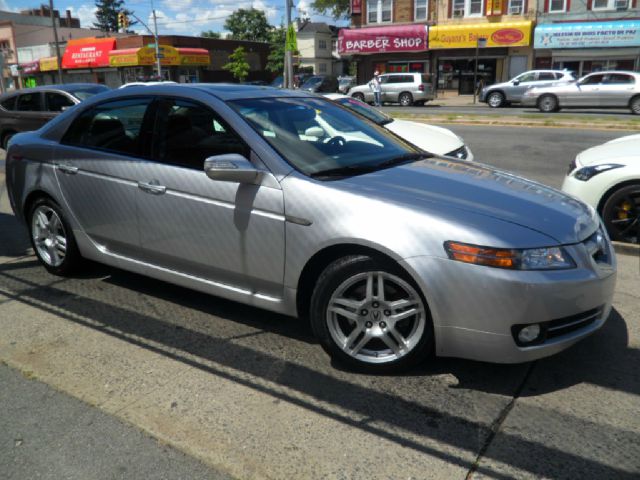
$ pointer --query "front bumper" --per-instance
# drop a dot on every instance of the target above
(474, 307)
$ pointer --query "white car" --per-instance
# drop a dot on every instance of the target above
(607, 177)
(145, 84)
(432, 139)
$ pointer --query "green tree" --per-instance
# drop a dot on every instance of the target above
(210, 34)
(238, 65)
(275, 60)
(107, 15)
(248, 24)
(338, 9)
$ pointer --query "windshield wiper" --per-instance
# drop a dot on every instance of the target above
(351, 170)
(406, 158)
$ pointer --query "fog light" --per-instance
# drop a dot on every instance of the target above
(529, 334)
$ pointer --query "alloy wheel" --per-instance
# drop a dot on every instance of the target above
(376, 317)
(495, 100)
(406, 99)
(635, 106)
(623, 219)
(49, 236)
(548, 104)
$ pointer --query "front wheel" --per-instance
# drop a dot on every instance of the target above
(358, 96)
(495, 100)
(52, 238)
(621, 214)
(405, 99)
(635, 105)
(369, 315)
(548, 104)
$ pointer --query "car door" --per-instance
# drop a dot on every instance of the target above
(588, 92)
(617, 90)
(97, 166)
(519, 85)
(389, 88)
(219, 231)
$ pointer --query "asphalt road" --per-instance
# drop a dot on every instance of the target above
(251, 393)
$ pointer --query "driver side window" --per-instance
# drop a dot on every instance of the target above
(593, 80)
(526, 77)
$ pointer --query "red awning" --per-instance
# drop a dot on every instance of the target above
(88, 53)
(403, 38)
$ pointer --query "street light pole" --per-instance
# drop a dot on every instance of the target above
(55, 39)
(155, 36)
(288, 54)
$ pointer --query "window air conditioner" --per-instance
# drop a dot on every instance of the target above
(621, 4)
(515, 10)
(459, 12)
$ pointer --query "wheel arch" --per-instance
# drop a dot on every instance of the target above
(614, 188)
(32, 197)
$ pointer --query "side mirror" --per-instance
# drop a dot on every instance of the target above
(316, 132)
(516, 82)
(232, 167)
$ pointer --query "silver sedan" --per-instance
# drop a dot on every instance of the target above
(390, 252)
(597, 90)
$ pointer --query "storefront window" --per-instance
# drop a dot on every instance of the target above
(557, 6)
(379, 11)
(421, 10)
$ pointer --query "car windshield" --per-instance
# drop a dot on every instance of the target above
(365, 110)
(82, 93)
(318, 137)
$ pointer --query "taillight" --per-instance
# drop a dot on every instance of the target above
(421, 87)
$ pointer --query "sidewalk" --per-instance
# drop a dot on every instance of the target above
(452, 99)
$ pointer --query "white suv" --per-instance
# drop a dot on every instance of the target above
(404, 88)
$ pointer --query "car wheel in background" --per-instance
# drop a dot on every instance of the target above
(5, 139)
(358, 96)
(635, 105)
(548, 103)
(495, 100)
(405, 99)
(52, 238)
(621, 214)
(369, 315)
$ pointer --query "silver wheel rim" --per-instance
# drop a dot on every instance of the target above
(49, 236)
(495, 100)
(405, 100)
(376, 317)
(548, 104)
(359, 97)
(635, 106)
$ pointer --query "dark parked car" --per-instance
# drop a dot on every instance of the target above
(30, 109)
(321, 84)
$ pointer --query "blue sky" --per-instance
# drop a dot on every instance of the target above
(181, 17)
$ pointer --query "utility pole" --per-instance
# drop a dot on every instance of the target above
(55, 39)
(481, 42)
(288, 55)
(155, 35)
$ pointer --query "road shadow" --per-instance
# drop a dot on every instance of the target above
(14, 239)
(388, 407)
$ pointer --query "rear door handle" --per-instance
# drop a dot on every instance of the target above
(68, 169)
(152, 187)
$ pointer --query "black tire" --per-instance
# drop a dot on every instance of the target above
(621, 214)
(358, 96)
(405, 99)
(420, 103)
(548, 103)
(5, 139)
(634, 105)
(374, 355)
(496, 100)
(72, 259)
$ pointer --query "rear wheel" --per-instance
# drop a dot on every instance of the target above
(621, 214)
(368, 314)
(635, 105)
(548, 104)
(358, 96)
(405, 99)
(495, 100)
(52, 238)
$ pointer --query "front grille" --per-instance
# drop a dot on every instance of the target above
(562, 326)
(460, 153)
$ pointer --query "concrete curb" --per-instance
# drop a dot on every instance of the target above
(622, 248)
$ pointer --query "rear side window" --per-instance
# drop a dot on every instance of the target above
(57, 102)
(187, 133)
(30, 102)
(546, 76)
(9, 104)
(619, 78)
(114, 126)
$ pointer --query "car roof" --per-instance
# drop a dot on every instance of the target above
(66, 87)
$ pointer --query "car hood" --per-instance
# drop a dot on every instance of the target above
(429, 138)
(619, 148)
(444, 183)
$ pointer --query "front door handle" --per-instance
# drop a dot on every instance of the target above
(69, 169)
(152, 187)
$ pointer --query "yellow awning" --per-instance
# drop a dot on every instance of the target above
(508, 34)
(169, 56)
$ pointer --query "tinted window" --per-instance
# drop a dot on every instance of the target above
(400, 79)
(526, 77)
(29, 102)
(9, 103)
(187, 133)
(593, 80)
(619, 79)
(115, 126)
(546, 76)
(56, 102)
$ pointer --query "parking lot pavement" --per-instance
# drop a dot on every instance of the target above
(252, 393)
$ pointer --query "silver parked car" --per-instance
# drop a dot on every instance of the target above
(505, 93)
(389, 251)
(611, 89)
(404, 88)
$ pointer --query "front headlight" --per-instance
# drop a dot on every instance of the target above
(546, 258)
(587, 173)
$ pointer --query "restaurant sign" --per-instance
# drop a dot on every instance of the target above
(515, 34)
(88, 52)
(622, 33)
(404, 38)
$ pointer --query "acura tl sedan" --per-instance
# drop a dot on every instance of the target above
(597, 90)
(389, 251)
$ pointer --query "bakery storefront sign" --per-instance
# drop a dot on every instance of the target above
(514, 34)
(404, 38)
(622, 33)
(88, 53)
